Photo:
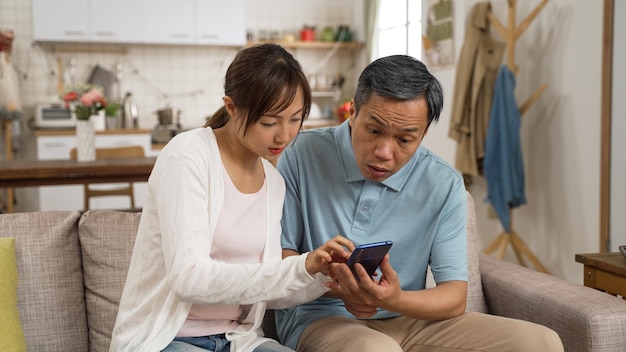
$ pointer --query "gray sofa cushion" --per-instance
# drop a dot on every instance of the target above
(475, 297)
(50, 283)
(107, 239)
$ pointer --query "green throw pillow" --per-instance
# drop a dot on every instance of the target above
(11, 334)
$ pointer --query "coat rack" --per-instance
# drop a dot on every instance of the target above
(8, 207)
(510, 35)
(6, 41)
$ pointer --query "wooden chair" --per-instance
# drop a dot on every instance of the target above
(134, 151)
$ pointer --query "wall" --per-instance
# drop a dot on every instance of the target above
(560, 133)
(191, 76)
(618, 130)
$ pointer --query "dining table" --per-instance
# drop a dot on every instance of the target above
(28, 173)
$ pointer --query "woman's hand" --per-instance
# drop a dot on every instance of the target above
(332, 251)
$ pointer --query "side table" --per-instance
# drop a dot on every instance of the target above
(605, 272)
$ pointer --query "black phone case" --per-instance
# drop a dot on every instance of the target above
(369, 255)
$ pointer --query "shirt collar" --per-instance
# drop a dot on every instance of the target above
(351, 171)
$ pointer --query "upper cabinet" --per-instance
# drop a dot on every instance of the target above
(170, 22)
(61, 20)
(202, 22)
(220, 22)
(116, 21)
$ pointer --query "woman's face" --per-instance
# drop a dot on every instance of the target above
(269, 136)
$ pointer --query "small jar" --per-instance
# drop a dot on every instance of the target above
(343, 34)
(328, 35)
(307, 34)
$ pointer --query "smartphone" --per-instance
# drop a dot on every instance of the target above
(369, 255)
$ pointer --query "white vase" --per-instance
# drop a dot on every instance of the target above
(86, 140)
(99, 121)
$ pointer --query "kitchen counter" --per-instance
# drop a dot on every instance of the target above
(54, 146)
(155, 147)
(71, 131)
(312, 123)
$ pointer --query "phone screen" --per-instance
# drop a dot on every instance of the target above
(369, 255)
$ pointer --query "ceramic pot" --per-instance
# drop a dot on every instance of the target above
(99, 121)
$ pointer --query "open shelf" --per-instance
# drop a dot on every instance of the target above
(325, 93)
(310, 44)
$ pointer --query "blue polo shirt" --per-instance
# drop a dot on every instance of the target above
(421, 208)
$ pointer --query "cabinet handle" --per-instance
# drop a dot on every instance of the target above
(180, 35)
(209, 36)
(74, 33)
(55, 145)
(105, 34)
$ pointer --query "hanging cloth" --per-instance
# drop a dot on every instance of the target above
(10, 104)
(477, 68)
(503, 164)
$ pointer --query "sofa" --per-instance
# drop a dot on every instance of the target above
(72, 266)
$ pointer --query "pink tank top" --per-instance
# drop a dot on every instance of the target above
(239, 239)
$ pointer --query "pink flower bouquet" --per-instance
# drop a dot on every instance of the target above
(86, 100)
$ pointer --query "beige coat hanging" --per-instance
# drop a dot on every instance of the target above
(478, 65)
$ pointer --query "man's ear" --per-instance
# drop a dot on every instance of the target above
(352, 112)
(352, 109)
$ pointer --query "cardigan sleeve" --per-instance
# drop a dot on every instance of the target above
(188, 188)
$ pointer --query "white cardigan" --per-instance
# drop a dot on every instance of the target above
(170, 268)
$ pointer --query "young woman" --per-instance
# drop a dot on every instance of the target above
(207, 258)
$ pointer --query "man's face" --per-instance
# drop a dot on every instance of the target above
(386, 134)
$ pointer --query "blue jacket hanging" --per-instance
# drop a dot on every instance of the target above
(503, 164)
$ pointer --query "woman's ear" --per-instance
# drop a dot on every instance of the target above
(230, 107)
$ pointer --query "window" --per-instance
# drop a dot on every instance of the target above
(399, 28)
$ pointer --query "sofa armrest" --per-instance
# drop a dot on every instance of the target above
(584, 318)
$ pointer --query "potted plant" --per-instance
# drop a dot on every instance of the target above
(88, 105)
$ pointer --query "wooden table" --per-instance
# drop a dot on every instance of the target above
(24, 173)
(605, 272)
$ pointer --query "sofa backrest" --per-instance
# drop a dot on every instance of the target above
(107, 239)
(72, 269)
(50, 279)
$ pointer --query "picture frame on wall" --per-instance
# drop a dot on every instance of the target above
(438, 34)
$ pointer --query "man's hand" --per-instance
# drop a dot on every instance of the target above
(363, 297)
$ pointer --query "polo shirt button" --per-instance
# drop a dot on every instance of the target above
(366, 208)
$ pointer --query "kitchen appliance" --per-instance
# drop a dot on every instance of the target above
(168, 116)
(129, 112)
(102, 78)
(54, 116)
(163, 133)
(168, 126)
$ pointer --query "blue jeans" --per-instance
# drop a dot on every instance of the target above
(213, 343)
(217, 343)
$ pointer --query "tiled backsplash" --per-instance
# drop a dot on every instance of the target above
(190, 76)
